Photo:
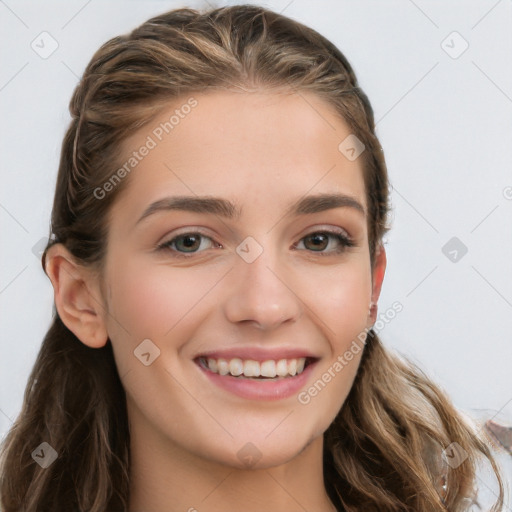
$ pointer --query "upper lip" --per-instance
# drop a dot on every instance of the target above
(258, 353)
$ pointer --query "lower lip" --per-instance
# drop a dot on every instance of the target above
(256, 389)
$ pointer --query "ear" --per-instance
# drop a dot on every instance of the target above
(77, 296)
(378, 272)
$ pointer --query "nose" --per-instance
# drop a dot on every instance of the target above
(262, 294)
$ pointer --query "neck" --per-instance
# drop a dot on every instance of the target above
(165, 478)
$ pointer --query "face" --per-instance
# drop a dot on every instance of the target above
(221, 258)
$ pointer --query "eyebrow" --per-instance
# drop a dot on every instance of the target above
(224, 208)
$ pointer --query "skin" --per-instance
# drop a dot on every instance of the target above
(261, 150)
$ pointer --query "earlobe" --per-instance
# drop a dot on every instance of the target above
(77, 296)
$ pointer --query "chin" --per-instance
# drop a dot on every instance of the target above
(265, 452)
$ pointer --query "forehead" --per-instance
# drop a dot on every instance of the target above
(259, 147)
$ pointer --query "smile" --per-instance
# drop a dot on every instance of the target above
(267, 379)
(249, 368)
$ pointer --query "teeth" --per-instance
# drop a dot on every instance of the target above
(254, 369)
(236, 367)
(222, 364)
(251, 368)
(212, 364)
(268, 369)
(282, 368)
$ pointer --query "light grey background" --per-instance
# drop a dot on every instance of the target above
(444, 121)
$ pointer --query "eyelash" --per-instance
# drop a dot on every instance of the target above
(344, 240)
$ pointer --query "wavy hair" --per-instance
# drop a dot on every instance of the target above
(383, 452)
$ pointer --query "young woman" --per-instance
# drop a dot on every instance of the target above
(217, 258)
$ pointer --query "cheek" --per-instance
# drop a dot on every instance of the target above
(342, 305)
(155, 302)
(149, 300)
(342, 299)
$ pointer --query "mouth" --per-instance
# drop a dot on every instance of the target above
(258, 373)
(251, 369)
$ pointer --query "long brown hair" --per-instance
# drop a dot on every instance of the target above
(383, 451)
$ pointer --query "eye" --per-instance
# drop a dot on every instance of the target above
(188, 243)
(319, 241)
(324, 243)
